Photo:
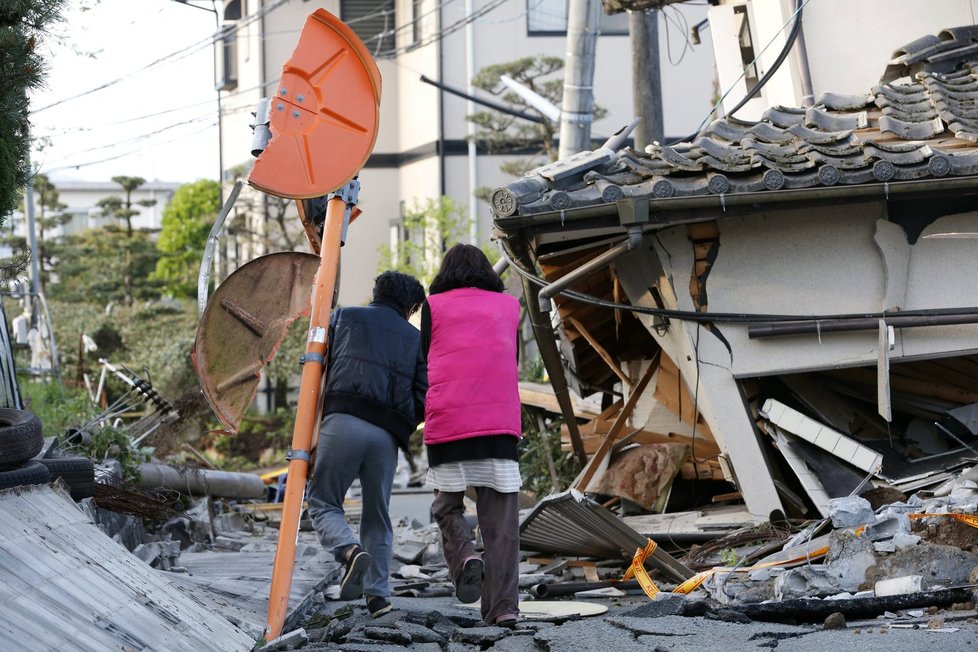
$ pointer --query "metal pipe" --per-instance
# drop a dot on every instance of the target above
(204, 276)
(501, 265)
(557, 589)
(590, 267)
(804, 72)
(496, 106)
(723, 204)
(755, 331)
(549, 353)
(201, 482)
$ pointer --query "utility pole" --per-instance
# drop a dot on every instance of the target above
(32, 238)
(643, 27)
(469, 110)
(578, 99)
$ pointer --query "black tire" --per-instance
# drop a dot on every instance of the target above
(20, 437)
(30, 473)
(77, 472)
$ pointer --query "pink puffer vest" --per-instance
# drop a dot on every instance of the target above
(473, 379)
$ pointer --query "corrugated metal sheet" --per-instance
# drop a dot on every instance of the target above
(64, 585)
(9, 388)
(570, 523)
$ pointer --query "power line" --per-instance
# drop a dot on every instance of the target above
(148, 135)
(176, 55)
(76, 166)
(446, 31)
(176, 109)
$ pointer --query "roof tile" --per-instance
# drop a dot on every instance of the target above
(920, 121)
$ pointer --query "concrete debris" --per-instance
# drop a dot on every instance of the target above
(899, 585)
(851, 511)
(289, 641)
(160, 554)
(835, 621)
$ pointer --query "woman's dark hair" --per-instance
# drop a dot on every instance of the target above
(400, 291)
(465, 266)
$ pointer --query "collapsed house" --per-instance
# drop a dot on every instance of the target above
(787, 306)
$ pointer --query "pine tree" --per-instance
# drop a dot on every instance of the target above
(121, 208)
(23, 23)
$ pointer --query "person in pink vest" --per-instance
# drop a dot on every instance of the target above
(472, 426)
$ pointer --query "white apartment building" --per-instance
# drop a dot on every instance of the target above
(421, 150)
(82, 197)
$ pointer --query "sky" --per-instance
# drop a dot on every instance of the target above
(113, 131)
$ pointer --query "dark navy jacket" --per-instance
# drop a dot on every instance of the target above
(376, 370)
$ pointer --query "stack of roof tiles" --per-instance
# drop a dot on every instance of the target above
(921, 121)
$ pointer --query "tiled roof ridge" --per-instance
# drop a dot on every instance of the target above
(920, 124)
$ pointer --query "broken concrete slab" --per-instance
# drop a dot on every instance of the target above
(938, 564)
(849, 558)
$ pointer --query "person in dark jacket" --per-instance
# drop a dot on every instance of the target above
(376, 380)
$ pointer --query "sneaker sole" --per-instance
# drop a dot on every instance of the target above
(352, 585)
(381, 612)
(469, 587)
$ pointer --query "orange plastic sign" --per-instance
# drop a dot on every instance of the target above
(323, 115)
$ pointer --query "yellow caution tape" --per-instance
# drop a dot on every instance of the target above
(272, 476)
(637, 568)
(968, 519)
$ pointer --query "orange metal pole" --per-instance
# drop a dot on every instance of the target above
(310, 387)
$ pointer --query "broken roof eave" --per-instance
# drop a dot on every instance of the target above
(660, 213)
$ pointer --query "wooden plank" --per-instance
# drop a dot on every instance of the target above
(720, 498)
(927, 369)
(596, 345)
(671, 391)
(637, 390)
(542, 396)
(705, 470)
(931, 389)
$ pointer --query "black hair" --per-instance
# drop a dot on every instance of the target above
(465, 266)
(400, 291)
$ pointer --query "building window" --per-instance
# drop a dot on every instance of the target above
(746, 43)
(415, 21)
(373, 22)
(226, 51)
(549, 18)
(232, 10)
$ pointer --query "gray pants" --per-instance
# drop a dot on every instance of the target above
(351, 448)
(499, 522)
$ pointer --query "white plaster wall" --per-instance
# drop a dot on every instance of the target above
(812, 262)
(848, 56)
(359, 258)
(849, 43)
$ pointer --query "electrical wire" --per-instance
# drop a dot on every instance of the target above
(175, 109)
(782, 55)
(176, 55)
(76, 166)
(139, 138)
(445, 31)
(683, 26)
